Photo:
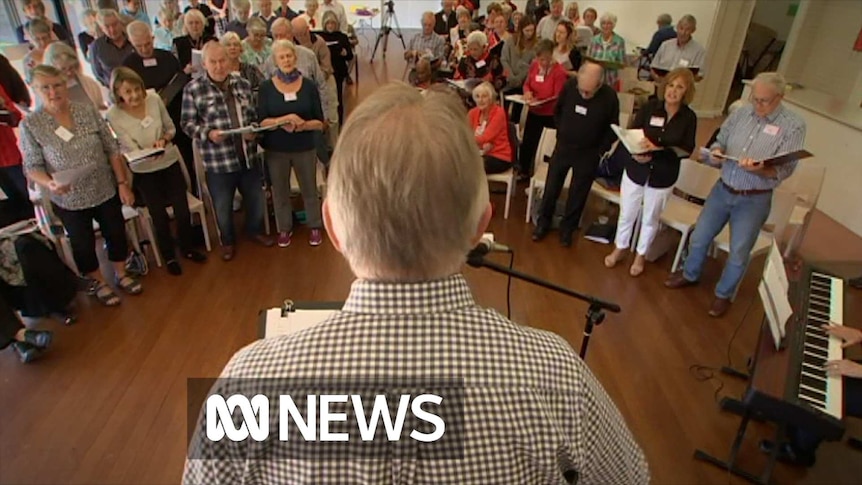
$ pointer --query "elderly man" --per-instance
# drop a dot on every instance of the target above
(303, 36)
(426, 44)
(393, 190)
(665, 32)
(109, 51)
(285, 12)
(583, 115)
(241, 10)
(338, 9)
(219, 101)
(445, 20)
(265, 13)
(35, 9)
(743, 196)
(548, 25)
(680, 52)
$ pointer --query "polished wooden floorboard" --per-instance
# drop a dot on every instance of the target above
(108, 403)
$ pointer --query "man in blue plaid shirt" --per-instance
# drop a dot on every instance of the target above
(220, 101)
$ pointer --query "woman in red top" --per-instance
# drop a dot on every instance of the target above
(545, 81)
(12, 180)
(491, 129)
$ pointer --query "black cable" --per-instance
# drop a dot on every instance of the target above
(509, 286)
(703, 373)
(736, 330)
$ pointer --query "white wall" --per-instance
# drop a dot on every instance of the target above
(773, 14)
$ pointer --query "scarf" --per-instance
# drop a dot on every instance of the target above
(289, 77)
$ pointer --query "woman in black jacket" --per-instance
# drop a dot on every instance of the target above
(195, 39)
(669, 127)
(341, 52)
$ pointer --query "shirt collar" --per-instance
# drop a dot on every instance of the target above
(427, 297)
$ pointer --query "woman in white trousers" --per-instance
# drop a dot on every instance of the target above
(669, 127)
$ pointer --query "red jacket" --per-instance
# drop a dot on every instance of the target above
(9, 153)
(495, 132)
(549, 87)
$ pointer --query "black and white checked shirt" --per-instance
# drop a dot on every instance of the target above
(533, 408)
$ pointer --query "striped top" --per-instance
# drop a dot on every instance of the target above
(745, 134)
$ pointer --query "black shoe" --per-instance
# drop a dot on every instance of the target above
(174, 267)
(540, 233)
(195, 255)
(26, 352)
(787, 455)
(566, 239)
(38, 338)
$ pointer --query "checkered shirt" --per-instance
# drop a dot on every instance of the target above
(533, 409)
(431, 45)
(205, 109)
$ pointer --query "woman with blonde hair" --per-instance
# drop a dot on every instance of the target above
(573, 14)
(233, 47)
(194, 39)
(82, 88)
(648, 180)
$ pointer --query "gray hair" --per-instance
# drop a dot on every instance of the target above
(403, 206)
(138, 28)
(60, 52)
(478, 37)
(106, 13)
(39, 26)
(608, 17)
(689, 20)
(779, 84)
(228, 37)
(209, 47)
(256, 25)
(44, 70)
(664, 19)
(462, 10)
(427, 14)
(486, 88)
(281, 45)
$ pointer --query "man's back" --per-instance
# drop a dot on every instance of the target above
(533, 410)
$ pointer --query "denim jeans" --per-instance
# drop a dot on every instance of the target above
(222, 187)
(746, 215)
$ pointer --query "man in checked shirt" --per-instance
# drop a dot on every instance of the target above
(404, 210)
(743, 196)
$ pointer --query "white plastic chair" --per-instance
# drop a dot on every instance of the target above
(547, 143)
(696, 180)
(627, 102)
(806, 182)
(508, 178)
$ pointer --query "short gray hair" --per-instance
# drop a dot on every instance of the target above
(59, 52)
(39, 26)
(256, 25)
(608, 17)
(403, 206)
(462, 10)
(665, 19)
(228, 37)
(688, 19)
(106, 13)
(138, 28)
(478, 37)
(487, 88)
(428, 14)
(281, 45)
(779, 84)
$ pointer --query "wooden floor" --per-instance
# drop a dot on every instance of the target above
(108, 403)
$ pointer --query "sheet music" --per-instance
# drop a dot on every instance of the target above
(773, 290)
(771, 317)
(631, 139)
(777, 260)
(294, 321)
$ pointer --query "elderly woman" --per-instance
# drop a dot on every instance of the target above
(480, 63)
(545, 81)
(609, 46)
(341, 53)
(195, 38)
(291, 105)
(40, 36)
(163, 31)
(233, 48)
(241, 11)
(491, 129)
(564, 51)
(573, 14)
(69, 150)
(589, 18)
(458, 34)
(257, 47)
(141, 121)
(312, 14)
(648, 180)
(82, 88)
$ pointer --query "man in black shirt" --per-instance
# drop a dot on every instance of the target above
(583, 115)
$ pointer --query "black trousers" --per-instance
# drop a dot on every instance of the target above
(14, 184)
(160, 190)
(184, 143)
(532, 135)
(339, 87)
(583, 164)
(79, 226)
(495, 165)
(9, 324)
(51, 285)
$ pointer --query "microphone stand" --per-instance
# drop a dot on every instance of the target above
(595, 313)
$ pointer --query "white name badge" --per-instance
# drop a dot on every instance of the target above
(288, 97)
(481, 128)
(150, 63)
(540, 78)
(480, 64)
(771, 130)
(656, 121)
(684, 63)
(63, 133)
(580, 110)
(147, 121)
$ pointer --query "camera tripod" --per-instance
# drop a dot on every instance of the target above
(386, 27)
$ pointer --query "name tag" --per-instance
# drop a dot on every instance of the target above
(63, 133)
(332, 43)
(288, 97)
(771, 130)
(147, 121)
(150, 63)
(480, 64)
(684, 63)
(540, 78)
(656, 121)
(580, 110)
(481, 128)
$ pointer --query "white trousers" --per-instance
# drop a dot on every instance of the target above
(632, 197)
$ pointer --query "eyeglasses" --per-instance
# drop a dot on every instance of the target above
(762, 101)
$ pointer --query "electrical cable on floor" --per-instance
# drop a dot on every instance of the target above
(705, 373)
(736, 330)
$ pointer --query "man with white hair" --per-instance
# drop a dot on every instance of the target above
(683, 51)
(404, 209)
(220, 101)
(155, 66)
(337, 8)
(548, 25)
(110, 50)
(743, 196)
(241, 11)
(426, 44)
(265, 13)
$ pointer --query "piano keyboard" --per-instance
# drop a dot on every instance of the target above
(825, 304)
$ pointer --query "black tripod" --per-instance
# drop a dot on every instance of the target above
(386, 28)
(595, 313)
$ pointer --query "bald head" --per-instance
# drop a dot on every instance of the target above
(300, 26)
(590, 78)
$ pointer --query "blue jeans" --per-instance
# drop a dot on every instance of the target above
(746, 214)
(222, 187)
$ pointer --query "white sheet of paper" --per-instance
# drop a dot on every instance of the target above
(294, 321)
(631, 139)
(3, 195)
(777, 261)
(69, 177)
(778, 296)
(774, 327)
(197, 59)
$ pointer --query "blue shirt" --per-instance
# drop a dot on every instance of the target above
(660, 35)
(139, 15)
(164, 38)
(745, 134)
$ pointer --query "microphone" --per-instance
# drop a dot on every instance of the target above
(487, 245)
